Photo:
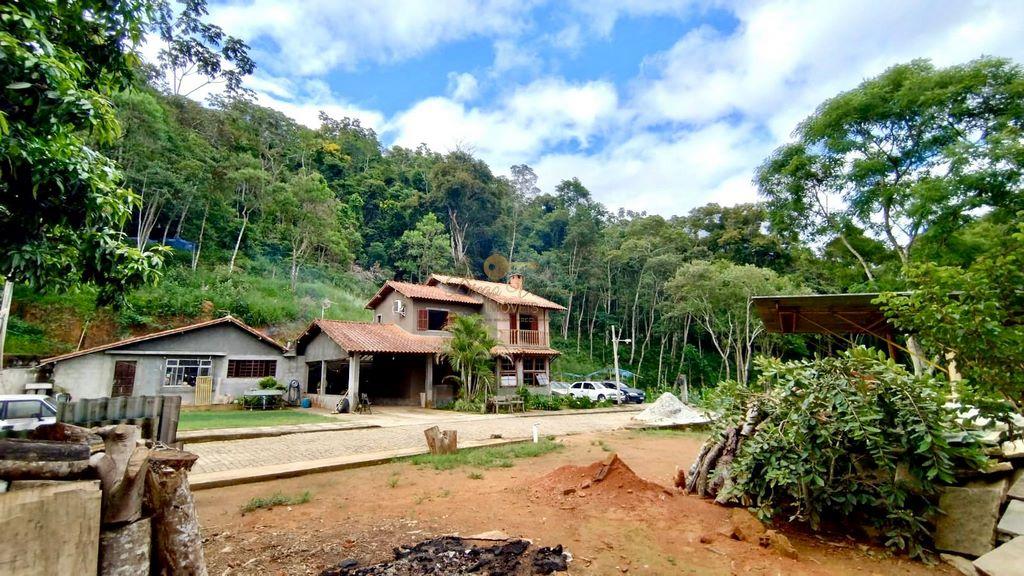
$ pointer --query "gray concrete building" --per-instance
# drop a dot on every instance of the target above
(231, 354)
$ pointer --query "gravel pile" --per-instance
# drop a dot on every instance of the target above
(668, 410)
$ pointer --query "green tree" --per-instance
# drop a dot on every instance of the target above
(63, 204)
(469, 353)
(972, 316)
(424, 248)
(910, 156)
(304, 215)
(717, 296)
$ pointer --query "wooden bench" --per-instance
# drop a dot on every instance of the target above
(513, 403)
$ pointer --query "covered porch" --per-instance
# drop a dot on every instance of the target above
(390, 366)
(518, 366)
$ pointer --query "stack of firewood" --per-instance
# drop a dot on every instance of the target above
(148, 519)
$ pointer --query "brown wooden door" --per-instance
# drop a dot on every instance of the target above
(124, 378)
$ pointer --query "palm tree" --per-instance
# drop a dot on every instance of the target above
(469, 353)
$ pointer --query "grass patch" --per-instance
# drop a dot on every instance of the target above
(496, 457)
(393, 480)
(671, 433)
(212, 419)
(277, 499)
(475, 476)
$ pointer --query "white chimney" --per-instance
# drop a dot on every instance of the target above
(515, 281)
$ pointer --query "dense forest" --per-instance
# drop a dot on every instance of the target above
(278, 223)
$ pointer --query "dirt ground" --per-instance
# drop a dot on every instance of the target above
(364, 513)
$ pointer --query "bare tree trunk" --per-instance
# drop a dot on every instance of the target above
(238, 241)
(579, 319)
(199, 243)
(661, 355)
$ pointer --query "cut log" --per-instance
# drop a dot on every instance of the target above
(441, 442)
(125, 551)
(120, 442)
(710, 474)
(42, 450)
(124, 502)
(177, 542)
(62, 432)
(21, 470)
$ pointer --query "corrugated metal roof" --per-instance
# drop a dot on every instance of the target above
(370, 338)
(173, 331)
(497, 291)
(420, 292)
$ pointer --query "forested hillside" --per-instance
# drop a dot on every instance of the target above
(272, 222)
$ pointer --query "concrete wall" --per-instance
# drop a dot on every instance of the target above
(92, 375)
(14, 380)
(412, 307)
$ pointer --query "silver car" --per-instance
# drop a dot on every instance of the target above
(26, 411)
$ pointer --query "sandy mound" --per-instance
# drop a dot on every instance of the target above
(668, 410)
(609, 479)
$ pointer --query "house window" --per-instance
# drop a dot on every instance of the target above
(184, 371)
(508, 372)
(432, 319)
(527, 322)
(534, 366)
(251, 368)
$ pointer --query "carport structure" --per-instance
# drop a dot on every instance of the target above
(829, 314)
(383, 361)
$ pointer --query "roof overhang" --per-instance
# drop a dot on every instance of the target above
(823, 314)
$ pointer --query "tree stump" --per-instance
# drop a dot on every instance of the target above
(439, 442)
(177, 542)
(125, 551)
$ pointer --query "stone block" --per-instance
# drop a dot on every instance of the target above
(1012, 522)
(1007, 560)
(961, 564)
(1017, 485)
(1013, 450)
(967, 524)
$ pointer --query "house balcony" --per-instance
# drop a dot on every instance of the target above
(524, 337)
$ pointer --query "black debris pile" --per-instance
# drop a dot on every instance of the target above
(451, 555)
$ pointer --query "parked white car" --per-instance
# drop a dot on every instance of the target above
(559, 388)
(26, 411)
(596, 391)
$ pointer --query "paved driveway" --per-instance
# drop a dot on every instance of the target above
(236, 454)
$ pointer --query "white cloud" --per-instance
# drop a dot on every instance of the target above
(518, 128)
(304, 100)
(462, 86)
(508, 56)
(315, 36)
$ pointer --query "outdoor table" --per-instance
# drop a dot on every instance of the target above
(262, 395)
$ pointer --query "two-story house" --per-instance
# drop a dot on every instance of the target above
(399, 357)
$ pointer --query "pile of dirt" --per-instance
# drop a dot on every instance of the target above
(449, 555)
(609, 479)
(668, 410)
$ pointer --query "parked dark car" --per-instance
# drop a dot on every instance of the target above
(633, 395)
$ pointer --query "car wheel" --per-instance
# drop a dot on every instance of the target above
(600, 397)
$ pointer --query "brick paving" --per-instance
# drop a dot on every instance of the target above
(254, 452)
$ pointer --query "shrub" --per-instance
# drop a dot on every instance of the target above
(465, 405)
(852, 438)
(540, 402)
(269, 383)
(277, 499)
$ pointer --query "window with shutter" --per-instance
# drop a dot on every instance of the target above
(421, 320)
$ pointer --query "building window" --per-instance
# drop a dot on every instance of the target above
(534, 368)
(432, 319)
(251, 368)
(184, 371)
(507, 375)
(527, 322)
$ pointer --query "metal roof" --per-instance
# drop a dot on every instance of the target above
(420, 292)
(372, 338)
(823, 314)
(497, 291)
(173, 331)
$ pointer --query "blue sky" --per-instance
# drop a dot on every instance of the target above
(656, 105)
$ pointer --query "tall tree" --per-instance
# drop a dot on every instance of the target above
(424, 248)
(524, 189)
(304, 215)
(62, 205)
(912, 153)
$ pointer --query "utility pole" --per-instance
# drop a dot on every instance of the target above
(615, 354)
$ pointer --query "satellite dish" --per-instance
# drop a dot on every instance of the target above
(496, 267)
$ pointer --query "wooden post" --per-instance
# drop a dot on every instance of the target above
(169, 420)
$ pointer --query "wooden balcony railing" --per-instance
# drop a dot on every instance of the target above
(524, 337)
